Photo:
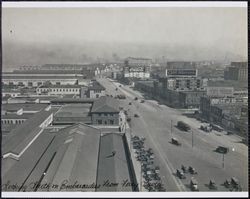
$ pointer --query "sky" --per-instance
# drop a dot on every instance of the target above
(123, 31)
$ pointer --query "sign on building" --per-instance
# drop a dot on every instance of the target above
(181, 72)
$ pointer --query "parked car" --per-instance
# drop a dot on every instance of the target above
(194, 184)
(217, 128)
(136, 98)
(234, 182)
(136, 115)
(128, 119)
(184, 169)
(180, 174)
(212, 184)
(142, 101)
(129, 103)
(227, 183)
(192, 170)
(206, 127)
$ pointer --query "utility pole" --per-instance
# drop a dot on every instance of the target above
(171, 127)
(192, 139)
(222, 160)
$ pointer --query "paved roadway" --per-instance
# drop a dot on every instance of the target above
(154, 124)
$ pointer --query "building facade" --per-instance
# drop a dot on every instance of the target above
(237, 71)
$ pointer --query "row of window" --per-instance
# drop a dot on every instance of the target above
(111, 122)
(60, 90)
(12, 121)
(105, 114)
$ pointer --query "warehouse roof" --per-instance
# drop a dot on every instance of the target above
(25, 77)
(61, 86)
(76, 158)
(24, 106)
(113, 164)
(105, 104)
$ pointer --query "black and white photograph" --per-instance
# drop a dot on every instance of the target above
(102, 98)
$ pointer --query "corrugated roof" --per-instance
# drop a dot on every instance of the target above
(76, 157)
(113, 166)
(105, 104)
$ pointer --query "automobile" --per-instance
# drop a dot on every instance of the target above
(222, 149)
(180, 174)
(194, 184)
(136, 98)
(184, 169)
(136, 115)
(129, 103)
(217, 128)
(142, 101)
(227, 183)
(212, 184)
(234, 182)
(116, 89)
(128, 119)
(206, 127)
(175, 141)
(183, 126)
(192, 170)
(120, 85)
(230, 133)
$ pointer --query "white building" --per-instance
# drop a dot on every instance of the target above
(59, 90)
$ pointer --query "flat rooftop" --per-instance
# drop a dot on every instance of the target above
(74, 110)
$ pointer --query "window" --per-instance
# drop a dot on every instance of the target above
(30, 83)
(105, 122)
(99, 114)
(105, 114)
(58, 83)
(111, 122)
(99, 121)
(111, 114)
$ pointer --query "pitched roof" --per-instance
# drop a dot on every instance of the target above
(105, 104)
(113, 166)
(24, 133)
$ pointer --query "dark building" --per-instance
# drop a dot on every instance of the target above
(237, 71)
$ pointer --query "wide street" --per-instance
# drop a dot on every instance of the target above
(154, 123)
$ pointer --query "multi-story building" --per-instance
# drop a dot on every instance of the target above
(106, 112)
(137, 68)
(237, 71)
(95, 90)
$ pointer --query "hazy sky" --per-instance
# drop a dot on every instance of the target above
(222, 28)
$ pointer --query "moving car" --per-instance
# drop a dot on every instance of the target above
(222, 149)
(183, 126)
(175, 141)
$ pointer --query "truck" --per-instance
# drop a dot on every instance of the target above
(183, 126)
